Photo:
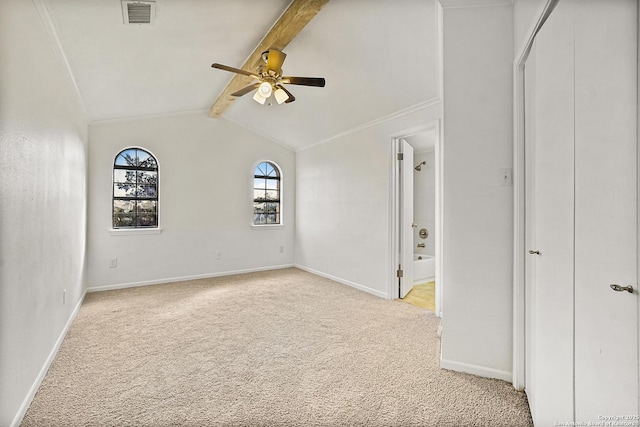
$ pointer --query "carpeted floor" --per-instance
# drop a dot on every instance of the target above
(278, 348)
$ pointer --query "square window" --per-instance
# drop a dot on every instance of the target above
(272, 184)
(146, 192)
(123, 206)
(123, 220)
(259, 183)
(122, 175)
(272, 208)
(146, 206)
(147, 220)
(272, 195)
(124, 190)
(259, 207)
(147, 178)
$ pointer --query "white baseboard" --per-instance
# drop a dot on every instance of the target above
(478, 370)
(183, 278)
(45, 367)
(344, 282)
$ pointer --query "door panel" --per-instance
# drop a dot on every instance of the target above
(530, 229)
(581, 119)
(406, 213)
(606, 334)
(550, 215)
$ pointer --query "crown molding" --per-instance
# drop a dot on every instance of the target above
(51, 27)
(136, 118)
(414, 108)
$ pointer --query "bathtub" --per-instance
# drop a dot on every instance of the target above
(424, 268)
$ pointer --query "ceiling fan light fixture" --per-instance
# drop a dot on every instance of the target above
(281, 95)
(265, 89)
(263, 93)
(259, 98)
(268, 80)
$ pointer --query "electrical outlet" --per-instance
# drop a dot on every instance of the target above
(218, 255)
(281, 249)
(113, 263)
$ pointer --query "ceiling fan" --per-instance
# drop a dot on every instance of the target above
(270, 79)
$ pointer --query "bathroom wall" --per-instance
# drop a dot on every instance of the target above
(424, 201)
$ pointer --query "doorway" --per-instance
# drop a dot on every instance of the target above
(417, 219)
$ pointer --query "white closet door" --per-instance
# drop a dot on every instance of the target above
(606, 322)
(530, 231)
(549, 173)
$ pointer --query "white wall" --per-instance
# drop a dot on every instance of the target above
(478, 210)
(343, 203)
(424, 202)
(42, 203)
(206, 202)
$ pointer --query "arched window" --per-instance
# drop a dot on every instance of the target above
(266, 194)
(135, 189)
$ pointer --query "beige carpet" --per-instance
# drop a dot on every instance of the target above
(280, 348)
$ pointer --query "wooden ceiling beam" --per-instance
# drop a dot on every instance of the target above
(291, 22)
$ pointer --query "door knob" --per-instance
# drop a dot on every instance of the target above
(619, 288)
(532, 252)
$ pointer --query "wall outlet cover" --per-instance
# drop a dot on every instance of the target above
(506, 177)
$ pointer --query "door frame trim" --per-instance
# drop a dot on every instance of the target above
(394, 215)
(638, 185)
(519, 300)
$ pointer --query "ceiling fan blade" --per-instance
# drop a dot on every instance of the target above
(234, 70)
(275, 60)
(291, 97)
(303, 81)
(246, 90)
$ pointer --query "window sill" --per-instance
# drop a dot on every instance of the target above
(134, 231)
(267, 226)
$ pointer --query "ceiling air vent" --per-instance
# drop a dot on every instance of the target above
(138, 12)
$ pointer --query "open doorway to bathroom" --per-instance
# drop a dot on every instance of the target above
(417, 219)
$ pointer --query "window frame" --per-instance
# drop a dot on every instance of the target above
(135, 229)
(278, 169)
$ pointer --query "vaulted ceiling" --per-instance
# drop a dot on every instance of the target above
(378, 57)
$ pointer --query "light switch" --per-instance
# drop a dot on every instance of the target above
(506, 177)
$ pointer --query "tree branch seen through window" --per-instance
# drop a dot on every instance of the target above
(266, 194)
(135, 189)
